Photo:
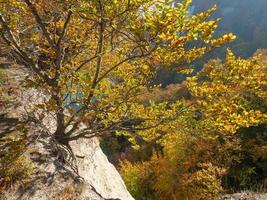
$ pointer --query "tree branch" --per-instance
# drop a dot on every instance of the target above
(85, 62)
(99, 51)
(11, 41)
(62, 34)
(118, 64)
(39, 22)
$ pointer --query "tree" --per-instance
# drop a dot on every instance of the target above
(187, 168)
(232, 93)
(93, 58)
(221, 136)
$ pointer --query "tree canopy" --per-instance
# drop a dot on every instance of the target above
(93, 58)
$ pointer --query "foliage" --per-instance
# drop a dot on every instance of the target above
(250, 171)
(139, 179)
(232, 93)
(93, 58)
(186, 169)
(205, 183)
(171, 93)
(215, 142)
(95, 61)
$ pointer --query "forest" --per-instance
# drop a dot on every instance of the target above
(245, 19)
(175, 91)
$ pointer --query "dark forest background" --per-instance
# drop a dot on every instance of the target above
(247, 19)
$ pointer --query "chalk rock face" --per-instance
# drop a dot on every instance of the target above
(96, 170)
(95, 179)
(245, 196)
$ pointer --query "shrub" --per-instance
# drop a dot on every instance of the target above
(182, 172)
(139, 179)
(204, 184)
